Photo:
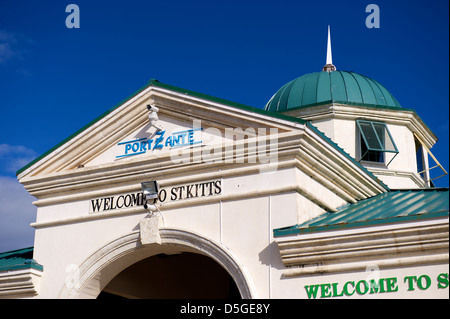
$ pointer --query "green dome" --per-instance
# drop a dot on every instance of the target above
(336, 86)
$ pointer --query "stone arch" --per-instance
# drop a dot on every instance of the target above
(103, 265)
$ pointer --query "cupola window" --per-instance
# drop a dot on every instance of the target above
(376, 142)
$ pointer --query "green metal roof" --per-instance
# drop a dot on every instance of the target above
(19, 259)
(385, 208)
(327, 87)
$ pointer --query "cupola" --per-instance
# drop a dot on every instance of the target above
(360, 115)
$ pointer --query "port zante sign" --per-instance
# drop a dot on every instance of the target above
(201, 189)
(159, 141)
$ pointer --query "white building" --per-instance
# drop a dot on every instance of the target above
(320, 195)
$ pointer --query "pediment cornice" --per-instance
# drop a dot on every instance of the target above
(112, 126)
(397, 116)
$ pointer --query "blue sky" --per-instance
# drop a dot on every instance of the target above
(55, 80)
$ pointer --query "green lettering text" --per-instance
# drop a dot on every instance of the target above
(325, 290)
(391, 284)
(442, 280)
(312, 291)
(335, 293)
(346, 289)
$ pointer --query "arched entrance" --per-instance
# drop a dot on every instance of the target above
(99, 269)
(178, 276)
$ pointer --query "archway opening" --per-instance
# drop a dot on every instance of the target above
(178, 276)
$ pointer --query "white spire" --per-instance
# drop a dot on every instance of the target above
(329, 64)
(329, 57)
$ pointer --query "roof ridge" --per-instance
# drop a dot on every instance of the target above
(25, 250)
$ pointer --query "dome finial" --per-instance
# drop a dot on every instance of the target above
(329, 64)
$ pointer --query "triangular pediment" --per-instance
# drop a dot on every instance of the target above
(185, 119)
(190, 132)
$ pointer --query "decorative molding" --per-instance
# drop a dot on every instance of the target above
(297, 150)
(420, 244)
(318, 158)
(216, 114)
(398, 116)
(22, 283)
(337, 169)
(414, 177)
(137, 168)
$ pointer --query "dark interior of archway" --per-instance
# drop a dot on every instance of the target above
(180, 276)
